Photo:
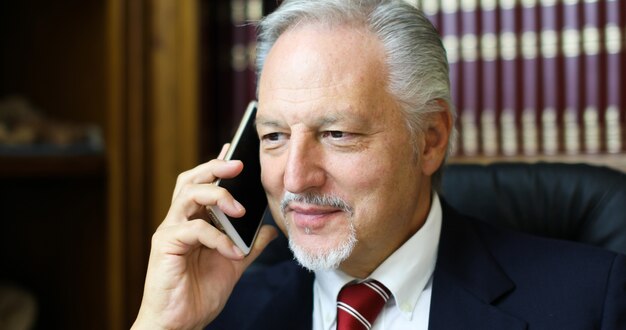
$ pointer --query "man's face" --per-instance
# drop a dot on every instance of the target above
(330, 128)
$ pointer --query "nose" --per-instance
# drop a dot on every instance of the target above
(304, 170)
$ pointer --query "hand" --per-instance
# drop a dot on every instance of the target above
(193, 266)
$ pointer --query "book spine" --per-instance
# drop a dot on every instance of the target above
(614, 119)
(530, 78)
(549, 93)
(239, 60)
(450, 30)
(254, 13)
(592, 117)
(571, 48)
(470, 78)
(509, 82)
(243, 55)
(432, 11)
(489, 71)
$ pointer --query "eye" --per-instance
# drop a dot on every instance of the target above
(334, 134)
(272, 137)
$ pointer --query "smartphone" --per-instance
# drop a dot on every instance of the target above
(246, 188)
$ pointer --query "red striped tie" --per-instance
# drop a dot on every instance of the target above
(359, 304)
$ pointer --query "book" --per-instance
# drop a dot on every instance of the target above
(510, 78)
(548, 82)
(447, 22)
(489, 89)
(593, 82)
(244, 15)
(571, 49)
(530, 117)
(239, 61)
(559, 68)
(470, 80)
(614, 118)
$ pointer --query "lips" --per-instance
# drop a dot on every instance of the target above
(312, 216)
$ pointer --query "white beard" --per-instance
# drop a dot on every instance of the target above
(317, 259)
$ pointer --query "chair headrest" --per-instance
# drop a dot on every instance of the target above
(576, 202)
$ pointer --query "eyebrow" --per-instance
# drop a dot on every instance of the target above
(321, 122)
(266, 122)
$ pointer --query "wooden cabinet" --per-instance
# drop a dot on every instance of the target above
(53, 207)
(76, 228)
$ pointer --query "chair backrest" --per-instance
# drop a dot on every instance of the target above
(576, 202)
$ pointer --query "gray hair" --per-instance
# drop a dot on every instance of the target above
(416, 60)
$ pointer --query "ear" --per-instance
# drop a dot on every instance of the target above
(436, 136)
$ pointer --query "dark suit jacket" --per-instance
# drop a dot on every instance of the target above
(485, 278)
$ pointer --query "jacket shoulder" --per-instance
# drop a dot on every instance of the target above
(279, 296)
(547, 283)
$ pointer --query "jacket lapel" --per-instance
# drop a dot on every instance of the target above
(467, 281)
(291, 305)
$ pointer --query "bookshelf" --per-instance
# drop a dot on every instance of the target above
(540, 78)
(77, 225)
(53, 203)
(615, 161)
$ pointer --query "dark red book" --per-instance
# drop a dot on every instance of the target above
(448, 26)
(431, 10)
(615, 115)
(254, 13)
(529, 47)
(593, 114)
(471, 82)
(509, 53)
(549, 79)
(489, 88)
(573, 84)
(239, 60)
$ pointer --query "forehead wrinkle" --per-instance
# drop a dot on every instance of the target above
(315, 119)
(262, 121)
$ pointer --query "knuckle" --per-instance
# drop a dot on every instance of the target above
(211, 163)
(182, 177)
(187, 190)
(221, 239)
(198, 225)
(157, 238)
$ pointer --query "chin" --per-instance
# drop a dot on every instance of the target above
(316, 256)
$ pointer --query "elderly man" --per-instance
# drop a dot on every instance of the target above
(355, 120)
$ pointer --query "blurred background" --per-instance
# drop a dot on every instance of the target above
(104, 102)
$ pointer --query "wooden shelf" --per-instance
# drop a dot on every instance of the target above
(616, 161)
(51, 166)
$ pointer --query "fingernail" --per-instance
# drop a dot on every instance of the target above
(237, 251)
(238, 207)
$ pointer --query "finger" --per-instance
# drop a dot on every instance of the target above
(224, 150)
(207, 173)
(196, 197)
(182, 238)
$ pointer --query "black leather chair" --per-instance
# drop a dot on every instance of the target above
(575, 202)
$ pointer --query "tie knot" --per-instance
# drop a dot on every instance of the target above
(359, 304)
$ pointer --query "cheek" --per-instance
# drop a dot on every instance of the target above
(272, 180)
(360, 173)
(378, 182)
(271, 176)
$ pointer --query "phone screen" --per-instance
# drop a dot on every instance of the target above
(246, 187)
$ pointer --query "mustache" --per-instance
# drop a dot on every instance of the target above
(315, 199)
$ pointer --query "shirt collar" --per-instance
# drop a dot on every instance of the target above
(416, 258)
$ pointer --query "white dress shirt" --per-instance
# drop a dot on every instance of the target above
(407, 273)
